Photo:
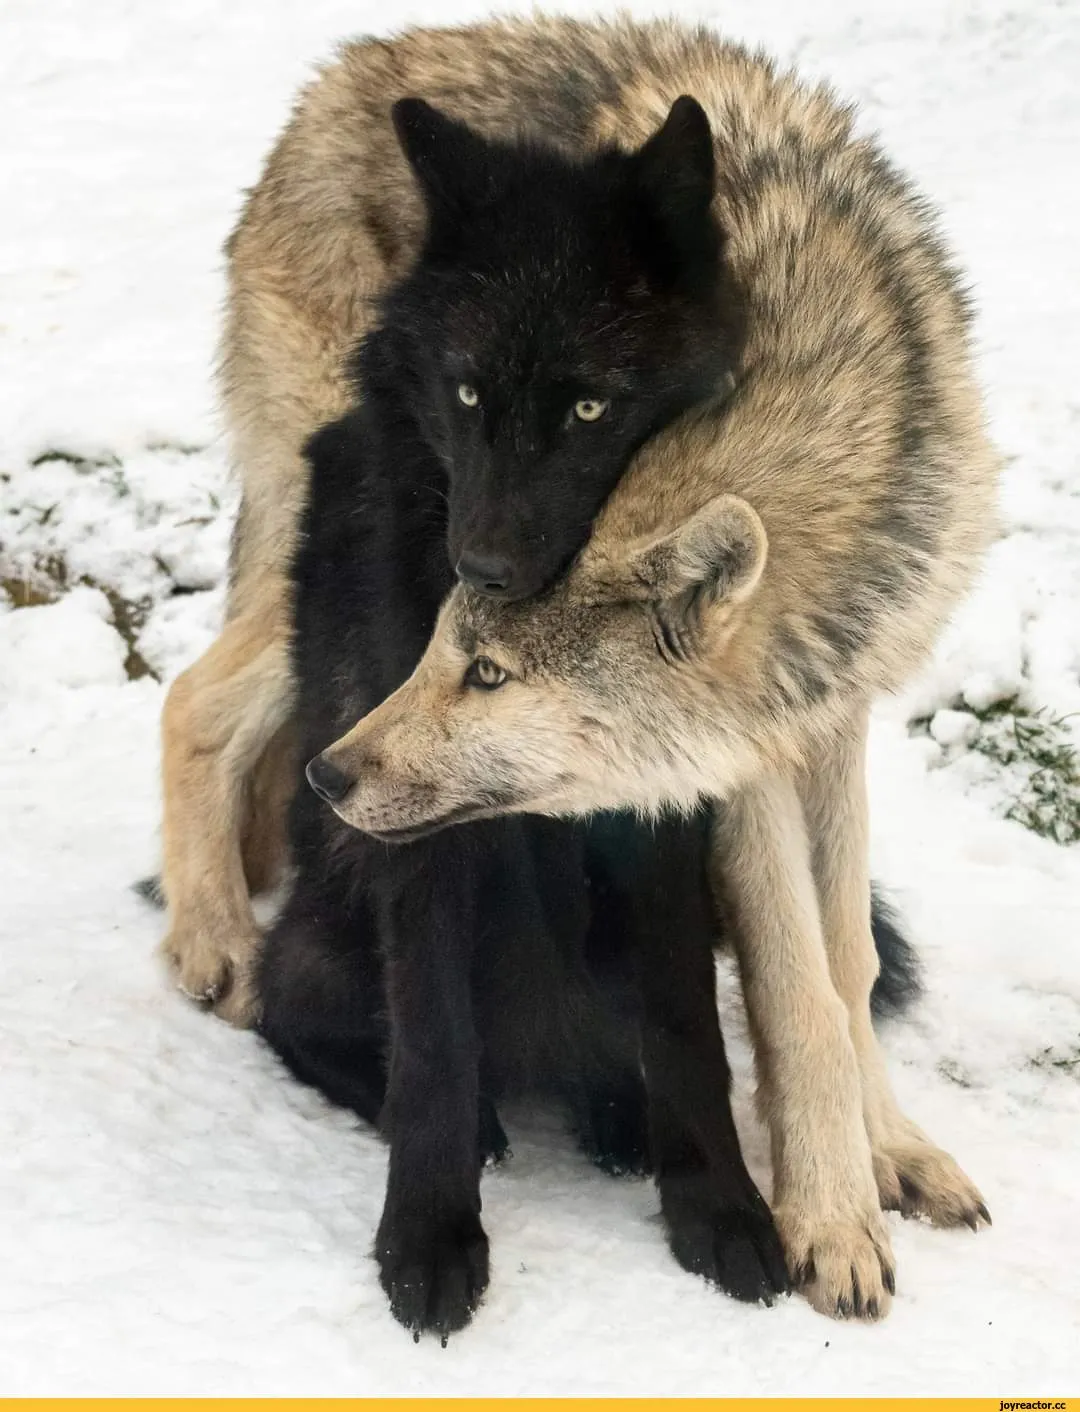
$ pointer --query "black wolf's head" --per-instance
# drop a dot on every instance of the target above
(561, 312)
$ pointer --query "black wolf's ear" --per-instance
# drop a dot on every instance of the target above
(446, 155)
(675, 172)
(715, 557)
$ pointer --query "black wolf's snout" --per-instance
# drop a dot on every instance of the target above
(487, 573)
(327, 780)
(510, 577)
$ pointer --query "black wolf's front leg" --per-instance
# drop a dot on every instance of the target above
(719, 1225)
(431, 1248)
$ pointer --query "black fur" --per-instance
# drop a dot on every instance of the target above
(150, 890)
(899, 981)
(544, 281)
(419, 983)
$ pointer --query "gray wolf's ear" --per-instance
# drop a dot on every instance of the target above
(717, 556)
(446, 155)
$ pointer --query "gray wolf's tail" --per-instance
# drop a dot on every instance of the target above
(899, 981)
(150, 890)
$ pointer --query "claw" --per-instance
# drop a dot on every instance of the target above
(208, 997)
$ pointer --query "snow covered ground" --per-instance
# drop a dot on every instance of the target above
(177, 1216)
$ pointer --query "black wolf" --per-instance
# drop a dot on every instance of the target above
(538, 341)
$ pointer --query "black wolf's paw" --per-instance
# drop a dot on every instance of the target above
(493, 1142)
(613, 1129)
(434, 1271)
(733, 1244)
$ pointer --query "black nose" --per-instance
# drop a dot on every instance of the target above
(487, 573)
(327, 780)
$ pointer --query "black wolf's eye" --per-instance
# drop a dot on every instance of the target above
(485, 674)
(468, 396)
(590, 409)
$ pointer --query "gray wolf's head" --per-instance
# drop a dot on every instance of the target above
(607, 691)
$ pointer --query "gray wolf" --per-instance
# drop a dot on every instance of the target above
(800, 205)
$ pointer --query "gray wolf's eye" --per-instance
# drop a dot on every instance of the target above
(590, 409)
(484, 673)
(468, 396)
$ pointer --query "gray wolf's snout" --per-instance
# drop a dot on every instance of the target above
(327, 780)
